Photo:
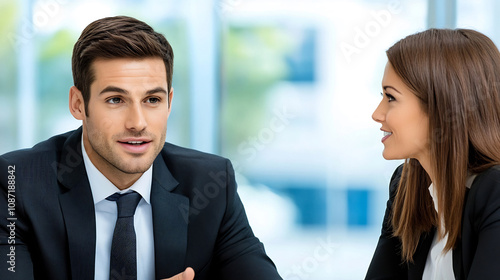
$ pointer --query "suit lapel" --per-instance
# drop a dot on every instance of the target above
(420, 257)
(416, 269)
(458, 268)
(77, 206)
(170, 213)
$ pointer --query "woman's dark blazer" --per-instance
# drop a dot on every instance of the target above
(477, 253)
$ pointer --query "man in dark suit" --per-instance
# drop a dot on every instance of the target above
(63, 201)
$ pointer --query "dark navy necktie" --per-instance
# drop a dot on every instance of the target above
(123, 265)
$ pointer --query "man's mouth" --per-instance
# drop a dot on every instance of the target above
(136, 146)
(134, 142)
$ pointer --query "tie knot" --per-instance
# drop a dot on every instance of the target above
(126, 203)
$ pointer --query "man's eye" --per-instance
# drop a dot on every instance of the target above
(153, 100)
(114, 100)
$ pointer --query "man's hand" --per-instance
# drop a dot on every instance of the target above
(188, 274)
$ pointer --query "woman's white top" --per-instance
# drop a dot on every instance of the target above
(439, 265)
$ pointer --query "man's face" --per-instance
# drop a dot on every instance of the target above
(125, 127)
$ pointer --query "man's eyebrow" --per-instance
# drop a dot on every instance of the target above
(113, 89)
(386, 87)
(123, 91)
(156, 90)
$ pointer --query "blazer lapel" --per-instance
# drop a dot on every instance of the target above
(77, 206)
(170, 226)
(458, 268)
(416, 269)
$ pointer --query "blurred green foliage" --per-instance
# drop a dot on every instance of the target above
(53, 78)
(179, 121)
(253, 62)
(8, 73)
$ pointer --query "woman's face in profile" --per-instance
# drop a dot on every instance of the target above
(405, 125)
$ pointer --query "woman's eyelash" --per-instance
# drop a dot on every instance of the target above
(390, 97)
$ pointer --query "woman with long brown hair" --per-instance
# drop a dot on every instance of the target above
(440, 112)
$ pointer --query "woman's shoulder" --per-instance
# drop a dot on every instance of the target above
(486, 185)
(489, 176)
(482, 205)
(396, 177)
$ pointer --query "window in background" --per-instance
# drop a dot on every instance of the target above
(299, 85)
(300, 81)
(480, 15)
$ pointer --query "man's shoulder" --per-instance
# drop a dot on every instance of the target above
(179, 153)
(177, 156)
(47, 149)
(192, 168)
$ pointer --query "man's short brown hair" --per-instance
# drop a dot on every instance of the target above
(117, 37)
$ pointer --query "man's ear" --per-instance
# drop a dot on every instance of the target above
(76, 104)
(170, 97)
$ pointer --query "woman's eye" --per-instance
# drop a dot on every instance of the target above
(390, 97)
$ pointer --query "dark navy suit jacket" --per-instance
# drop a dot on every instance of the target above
(198, 218)
(477, 254)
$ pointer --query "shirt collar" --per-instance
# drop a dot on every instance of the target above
(470, 180)
(433, 191)
(102, 187)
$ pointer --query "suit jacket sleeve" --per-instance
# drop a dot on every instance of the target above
(386, 262)
(15, 258)
(239, 253)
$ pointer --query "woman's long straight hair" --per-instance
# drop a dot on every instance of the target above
(456, 76)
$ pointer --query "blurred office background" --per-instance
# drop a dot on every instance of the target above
(283, 88)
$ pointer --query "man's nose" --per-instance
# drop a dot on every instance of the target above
(136, 119)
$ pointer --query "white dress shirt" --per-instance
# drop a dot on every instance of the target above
(439, 265)
(105, 215)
